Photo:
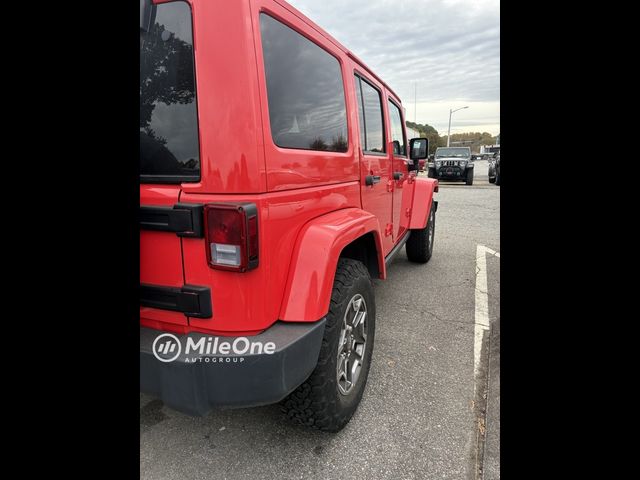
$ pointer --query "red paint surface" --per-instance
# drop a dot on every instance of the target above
(310, 204)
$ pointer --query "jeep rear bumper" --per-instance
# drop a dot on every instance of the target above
(195, 383)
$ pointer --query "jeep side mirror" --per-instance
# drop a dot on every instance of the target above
(419, 148)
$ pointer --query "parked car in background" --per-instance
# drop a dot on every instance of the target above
(453, 163)
(494, 170)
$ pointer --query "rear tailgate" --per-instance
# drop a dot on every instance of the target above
(160, 253)
(169, 157)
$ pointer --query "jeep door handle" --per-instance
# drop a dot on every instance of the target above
(397, 175)
(371, 179)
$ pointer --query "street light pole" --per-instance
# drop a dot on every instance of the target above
(449, 130)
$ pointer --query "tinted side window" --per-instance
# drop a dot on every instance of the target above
(169, 147)
(304, 89)
(371, 116)
(363, 128)
(397, 132)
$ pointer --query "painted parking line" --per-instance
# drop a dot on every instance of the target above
(482, 303)
(480, 380)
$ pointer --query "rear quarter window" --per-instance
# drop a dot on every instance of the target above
(305, 91)
(169, 147)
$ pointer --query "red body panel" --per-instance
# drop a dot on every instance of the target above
(311, 204)
(377, 199)
(251, 300)
(315, 259)
(422, 198)
(400, 197)
(160, 254)
(231, 137)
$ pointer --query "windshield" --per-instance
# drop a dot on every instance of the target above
(453, 152)
(169, 148)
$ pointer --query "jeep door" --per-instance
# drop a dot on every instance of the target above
(399, 163)
(375, 161)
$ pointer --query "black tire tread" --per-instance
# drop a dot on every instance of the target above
(417, 245)
(313, 403)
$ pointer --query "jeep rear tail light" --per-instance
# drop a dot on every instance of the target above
(231, 236)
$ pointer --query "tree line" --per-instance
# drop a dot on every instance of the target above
(468, 139)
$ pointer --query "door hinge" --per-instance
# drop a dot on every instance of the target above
(390, 186)
(388, 229)
(408, 212)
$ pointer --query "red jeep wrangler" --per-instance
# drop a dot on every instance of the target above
(275, 181)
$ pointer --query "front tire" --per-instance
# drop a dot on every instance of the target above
(420, 244)
(469, 176)
(329, 397)
(497, 177)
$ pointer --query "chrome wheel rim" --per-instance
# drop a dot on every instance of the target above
(352, 344)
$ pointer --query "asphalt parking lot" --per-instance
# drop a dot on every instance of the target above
(431, 406)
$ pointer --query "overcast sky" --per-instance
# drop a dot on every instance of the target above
(451, 48)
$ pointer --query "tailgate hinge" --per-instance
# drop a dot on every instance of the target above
(184, 219)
